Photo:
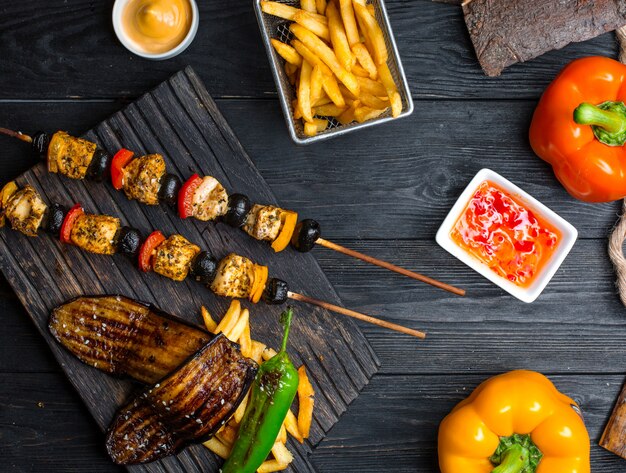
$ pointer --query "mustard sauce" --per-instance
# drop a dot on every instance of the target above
(157, 26)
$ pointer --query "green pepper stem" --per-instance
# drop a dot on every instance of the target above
(285, 318)
(588, 114)
(514, 460)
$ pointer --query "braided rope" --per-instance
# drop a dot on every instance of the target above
(618, 235)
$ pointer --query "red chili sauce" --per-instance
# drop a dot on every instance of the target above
(502, 233)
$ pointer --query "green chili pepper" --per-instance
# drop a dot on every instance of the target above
(273, 391)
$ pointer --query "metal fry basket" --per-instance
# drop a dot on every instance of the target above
(274, 27)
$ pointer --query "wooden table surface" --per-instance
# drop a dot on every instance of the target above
(384, 190)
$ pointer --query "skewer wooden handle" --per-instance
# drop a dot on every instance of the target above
(389, 266)
(16, 134)
(357, 315)
(614, 436)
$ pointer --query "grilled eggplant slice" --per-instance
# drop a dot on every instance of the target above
(189, 405)
(124, 337)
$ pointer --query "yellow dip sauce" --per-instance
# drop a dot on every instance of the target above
(157, 26)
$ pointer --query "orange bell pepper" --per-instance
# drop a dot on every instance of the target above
(516, 422)
(579, 127)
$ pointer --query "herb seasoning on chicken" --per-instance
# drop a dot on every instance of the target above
(142, 178)
(263, 222)
(70, 156)
(25, 210)
(95, 233)
(210, 200)
(174, 256)
(235, 277)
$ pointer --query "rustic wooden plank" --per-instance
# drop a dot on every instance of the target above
(402, 187)
(392, 424)
(160, 121)
(432, 38)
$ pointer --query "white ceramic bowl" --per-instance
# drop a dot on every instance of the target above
(568, 236)
(118, 9)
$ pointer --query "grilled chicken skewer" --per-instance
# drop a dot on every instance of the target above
(175, 257)
(145, 179)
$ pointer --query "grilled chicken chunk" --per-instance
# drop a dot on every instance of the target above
(142, 178)
(69, 155)
(124, 337)
(174, 256)
(96, 233)
(189, 405)
(25, 210)
(234, 277)
(263, 222)
(210, 200)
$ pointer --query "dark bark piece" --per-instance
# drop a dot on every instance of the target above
(124, 337)
(505, 33)
(614, 437)
(187, 406)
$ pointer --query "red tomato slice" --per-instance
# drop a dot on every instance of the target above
(120, 160)
(185, 196)
(68, 223)
(147, 249)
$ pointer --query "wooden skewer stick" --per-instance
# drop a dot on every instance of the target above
(357, 315)
(16, 134)
(389, 266)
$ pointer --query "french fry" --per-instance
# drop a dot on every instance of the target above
(317, 46)
(321, 6)
(245, 341)
(329, 110)
(281, 453)
(346, 93)
(348, 116)
(365, 59)
(372, 9)
(349, 21)
(257, 351)
(234, 334)
(241, 409)
(304, 91)
(269, 466)
(371, 101)
(323, 100)
(338, 38)
(209, 323)
(308, 5)
(314, 127)
(230, 318)
(227, 435)
(316, 84)
(297, 113)
(287, 52)
(305, 19)
(217, 447)
(305, 402)
(287, 12)
(362, 114)
(373, 32)
(372, 87)
(392, 91)
(358, 71)
(291, 68)
(331, 87)
(268, 353)
(282, 435)
(310, 56)
(291, 424)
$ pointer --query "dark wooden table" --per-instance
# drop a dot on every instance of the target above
(384, 190)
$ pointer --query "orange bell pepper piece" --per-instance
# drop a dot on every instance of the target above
(515, 422)
(579, 127)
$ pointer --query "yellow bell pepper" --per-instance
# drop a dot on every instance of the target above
(516, 422)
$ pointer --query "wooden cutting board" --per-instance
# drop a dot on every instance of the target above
(180, 120)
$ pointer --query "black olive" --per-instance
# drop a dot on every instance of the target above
(40, 144)
(204, 267)
(53, 220)
(276, 291)
(128, 241)
(238, 208)
(305, 235)
(99, 165)
(168, 192)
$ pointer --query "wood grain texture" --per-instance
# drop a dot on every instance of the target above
(505, 33)
(180, 120)
(614, 436)
(40, 46)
